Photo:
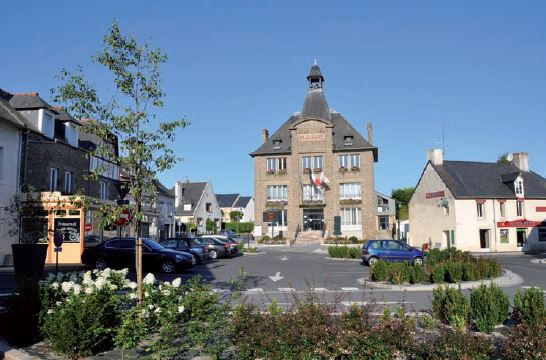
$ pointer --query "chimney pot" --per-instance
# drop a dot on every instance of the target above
(521, 161)
(265, 135)
(435, 156)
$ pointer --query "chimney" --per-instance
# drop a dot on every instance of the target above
(521, 161)
(265, 135)
(435, 156)
(369, 127)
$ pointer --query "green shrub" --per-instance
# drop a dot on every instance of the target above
(243, 227)
(450, 306)
(489, 307)
(418, 275)
(264, 239)
(454, 271)
(489, 268)
(438, 274)
(455, 345)
(428, 321)
(353, 240)
(529, 306)
(526, 342)
(399, 273)
(344, 252)
(470, 271)
(379, 271)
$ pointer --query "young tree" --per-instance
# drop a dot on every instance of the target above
(402, 197)
(503, 159)
(130, 115)
(235, 215)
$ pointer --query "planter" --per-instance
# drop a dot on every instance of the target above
(29, 259)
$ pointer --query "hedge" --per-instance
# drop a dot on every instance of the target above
(244, 227)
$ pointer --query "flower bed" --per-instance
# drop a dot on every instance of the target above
(277, 240)
(343, 240)
(441, 266)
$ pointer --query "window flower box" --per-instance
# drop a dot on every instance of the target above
(355, 168)
(306, 171)
(281, 171)
(270, 171)
(342, 169)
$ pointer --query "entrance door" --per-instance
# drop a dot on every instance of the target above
(521, 237)
(484, 239)
(313, 219)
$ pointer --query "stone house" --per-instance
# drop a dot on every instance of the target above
(195, 203)
(386, 216)
(314, 177)
(479, 206)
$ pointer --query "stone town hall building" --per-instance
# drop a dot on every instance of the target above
(314, 176)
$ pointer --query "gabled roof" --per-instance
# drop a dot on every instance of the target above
(226, 200)
(9, 114)
(190, 193)
(28, 101)
(242, 202)
(471, 180)
(163, 190)
(64, 116)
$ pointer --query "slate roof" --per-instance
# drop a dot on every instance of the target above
(226, 200)
(242, 202)
(471, 180)
(28, 101)
(316, 107)
(190, 194)
(64, 116)
(8, 113)
(163, 190)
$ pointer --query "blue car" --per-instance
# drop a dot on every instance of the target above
(392, 251)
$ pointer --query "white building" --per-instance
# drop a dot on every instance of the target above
(478, 206)
(195, 203)
(11, 125)
(245, 204)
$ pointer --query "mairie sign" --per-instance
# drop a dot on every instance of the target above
(312, 137)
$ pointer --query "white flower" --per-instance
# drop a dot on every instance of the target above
(144, 313)
(166, 292)
(87, 279)
(132, 285)
(132, 296)
(88, 290)
(150, 306)
(157, 310)
(77, 288)
(67, 285)
(181, 309)
(50, 311)
(55, 285)
(100, 282)
(149, 279)
(160, 287)
(176, 282)
(106, 273)
(113, 287)
(146, 294)
(58, 303)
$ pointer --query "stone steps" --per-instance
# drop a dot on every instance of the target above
(309, 237)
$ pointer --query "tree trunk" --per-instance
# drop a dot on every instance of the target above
(138, 256)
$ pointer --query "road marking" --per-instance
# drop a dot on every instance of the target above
(284, 258)
(350, 289)
(220, 290)
(287, 289)
(255, 290)
(319, 289)
(363, 303)
(277, 277)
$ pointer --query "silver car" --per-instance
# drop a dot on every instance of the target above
(217, 248)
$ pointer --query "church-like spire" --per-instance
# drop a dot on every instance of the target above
(315, 105)
(315, 77)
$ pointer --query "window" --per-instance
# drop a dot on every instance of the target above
(208, 207)
(518, 187)
(317, 162)
(277, 192)
(342, 161)
(350, 216)
(542, 234)
(480, 210)
(271, 165)
(502, 208)
(68, 182)
(348, 140)
(187, 207)
(71, 134)
(53, 176)
(350, 191)
(46, 124)
(446, 209)
(1, 163)
(383, 223)
(312, 193)
(103, 190)
(276, 144)
(355, 161)
(282, 164)
(306, 162)
(519, 208)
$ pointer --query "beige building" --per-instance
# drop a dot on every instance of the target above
(314, 177)
(478, 206)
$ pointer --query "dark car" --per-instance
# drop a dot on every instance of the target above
(119, 253)
(392, 251)
(216, 248)
(231, 242)
(189, 245)
(92, 240)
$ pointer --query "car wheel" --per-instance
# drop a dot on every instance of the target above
(167, 266)
(372, 261)
(417, 261)
(100, 264)
(193, 260)
(213, 254)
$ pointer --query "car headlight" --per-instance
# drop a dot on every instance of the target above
(180, 258)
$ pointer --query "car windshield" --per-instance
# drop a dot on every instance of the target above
(196, 242)
(152, 244)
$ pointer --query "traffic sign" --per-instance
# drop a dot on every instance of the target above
(88, 227)
(124, 218)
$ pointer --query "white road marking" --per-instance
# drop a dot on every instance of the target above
(319, 289)
(284, 258)
(276, 277)
(363, 303)
(350, 289)
(255, 290)
(287, 289)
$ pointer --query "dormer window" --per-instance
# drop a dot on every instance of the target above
(276, 144)
(518, 187)
(46, 123)
(348, 140)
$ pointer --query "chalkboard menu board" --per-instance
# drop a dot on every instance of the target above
(69, 229)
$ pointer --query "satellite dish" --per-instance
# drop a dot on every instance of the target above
(510, 157)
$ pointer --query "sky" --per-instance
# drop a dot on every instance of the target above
(476, 69)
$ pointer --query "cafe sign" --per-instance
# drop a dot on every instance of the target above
(68, 229)
(311, 137)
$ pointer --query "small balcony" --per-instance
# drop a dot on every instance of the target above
(312, 200)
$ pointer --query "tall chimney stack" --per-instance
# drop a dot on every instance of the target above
(521, 161)
(369, 127)
(265, 135)
(435, 156)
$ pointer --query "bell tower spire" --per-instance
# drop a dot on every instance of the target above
(315, 78)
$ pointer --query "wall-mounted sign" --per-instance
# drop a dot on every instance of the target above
(68, 228)
(432, 195)
(522, 223)
(541, 208)
(504, 239)
(311, 137)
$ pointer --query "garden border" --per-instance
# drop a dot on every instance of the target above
(341, 259)
(508, 279)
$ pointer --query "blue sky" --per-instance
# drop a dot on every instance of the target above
(236, 67)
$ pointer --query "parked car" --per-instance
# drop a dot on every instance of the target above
(119, 253)
(392, 251)
(189, 245)
(230, 242)
(235, 240)
(92, 240)
(216, 248)
(228, 232)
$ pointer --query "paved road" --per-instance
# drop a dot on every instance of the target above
(286, 274)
